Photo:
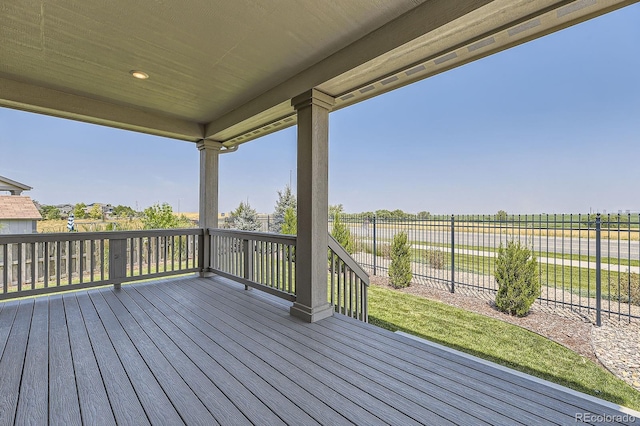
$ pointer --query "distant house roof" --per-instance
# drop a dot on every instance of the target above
(12, 186)
(18, 207)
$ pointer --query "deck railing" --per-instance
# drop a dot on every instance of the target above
(266, 261)
(256, 259)
(349, 283)
(46, 263)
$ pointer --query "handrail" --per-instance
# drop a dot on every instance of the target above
(106, 235)
(348, 260)
(257, 236)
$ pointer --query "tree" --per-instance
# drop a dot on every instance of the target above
(424, 215)
(123, 211)
(286, 200)
(290, 224)
(162, 217)
(95, 212)
(50, 212)
(400, 273)
(335, 210)
(501, 216)
(79, 211)
(245, 218)
(517, 278)
(342, 234)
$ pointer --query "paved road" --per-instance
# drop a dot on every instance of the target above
(623, 249)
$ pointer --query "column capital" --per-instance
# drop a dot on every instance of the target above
(313, 97)
(209, 144)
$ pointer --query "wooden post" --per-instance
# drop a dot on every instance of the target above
(208, 218)
(117, 261)
(312, 108)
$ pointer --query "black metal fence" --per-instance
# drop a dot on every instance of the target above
(587, 262)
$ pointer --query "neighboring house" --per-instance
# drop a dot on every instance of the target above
(15, 188)
(65, 210)
(18, 215)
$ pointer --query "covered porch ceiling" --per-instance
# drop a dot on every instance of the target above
(227, 70)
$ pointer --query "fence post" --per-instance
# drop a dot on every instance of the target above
(248, 261)
(598, 273)
(117, 261)
(453, 265)
(375, 250)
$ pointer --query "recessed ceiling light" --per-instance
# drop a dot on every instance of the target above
(139, 74)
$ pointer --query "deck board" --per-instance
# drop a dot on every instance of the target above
(220, 407)
(334, 391)
(323, 404)
(64, 407)
(344, 360)
(92, 395)
(254, 372)
(186, 402)
(12, 362)
(33, 402)
(206, 351)
(193, 343)
(155, 402)
(125, 404)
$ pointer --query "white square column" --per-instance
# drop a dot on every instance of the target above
(208, 200)
(312, 108)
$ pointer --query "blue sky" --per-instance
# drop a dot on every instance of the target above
(550, 126)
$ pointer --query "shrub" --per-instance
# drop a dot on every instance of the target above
(400, 268)
(342, 234)
(517, 279)
(435, 258)
(629, 288)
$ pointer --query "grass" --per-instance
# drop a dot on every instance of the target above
(496, 341)
(573, 279)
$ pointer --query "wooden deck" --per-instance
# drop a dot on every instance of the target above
(205, 351)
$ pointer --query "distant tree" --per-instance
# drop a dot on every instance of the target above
(50, 212)
(79, 211)
(424, 215)
(335, 210)
(501, 215)
(398, 214)
(286, 200)
(95, 212)
(123, 211)
(383, 214)
(245, 218)
(162, 217)
(342, 234)
(290, 224)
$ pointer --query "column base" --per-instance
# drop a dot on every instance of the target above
(205, 274)
(308, 314)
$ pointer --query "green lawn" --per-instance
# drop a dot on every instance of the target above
(573, 279)
(496, 341)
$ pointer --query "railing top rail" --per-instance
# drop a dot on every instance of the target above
(348, 260)
(258, 236)
(80, 236)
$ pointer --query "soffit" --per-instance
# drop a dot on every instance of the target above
(227, 70)
(204, 58)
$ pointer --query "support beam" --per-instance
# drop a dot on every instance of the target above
(312, 108)
(208, 212)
